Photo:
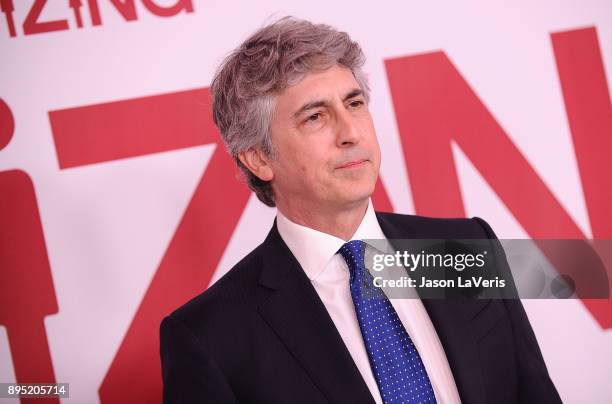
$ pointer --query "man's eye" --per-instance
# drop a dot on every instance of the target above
(313, 117)
(356, 103)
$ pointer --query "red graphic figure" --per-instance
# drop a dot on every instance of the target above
(27, 294)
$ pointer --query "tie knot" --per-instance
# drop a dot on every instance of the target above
(353, 253)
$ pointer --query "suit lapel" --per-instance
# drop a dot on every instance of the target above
(295, 312)
(451, 319)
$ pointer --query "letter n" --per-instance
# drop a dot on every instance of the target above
(127, 9)
(434, 106)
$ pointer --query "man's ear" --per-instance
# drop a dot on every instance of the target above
(258, 163)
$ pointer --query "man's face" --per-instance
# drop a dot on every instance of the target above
(327, 154)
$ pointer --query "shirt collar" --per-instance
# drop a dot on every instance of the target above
(314, 249)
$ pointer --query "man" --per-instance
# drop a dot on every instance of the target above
(287, 323)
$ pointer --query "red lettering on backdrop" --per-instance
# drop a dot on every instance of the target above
(587, 102)
(589, 112)
(6, 6)
(76, 5)
(434, 106)
(27, 294)
(31, 25)
(7, 124)
(148, 125)
(116, 130)
(169, 11)
(127, 9)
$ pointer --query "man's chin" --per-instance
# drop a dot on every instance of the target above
(356, 195)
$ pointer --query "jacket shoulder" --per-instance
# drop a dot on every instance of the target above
(416, 226)
(227, 298)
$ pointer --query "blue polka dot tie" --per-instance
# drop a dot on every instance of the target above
(396, 364)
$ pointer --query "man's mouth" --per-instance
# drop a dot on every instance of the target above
(352, 164)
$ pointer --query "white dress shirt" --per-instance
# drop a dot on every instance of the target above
(329, 274)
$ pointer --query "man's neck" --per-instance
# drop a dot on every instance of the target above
(341, 223)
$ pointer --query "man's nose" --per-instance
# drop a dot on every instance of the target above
(346, 131)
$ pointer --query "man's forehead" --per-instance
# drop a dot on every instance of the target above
(336, 74)
(336, 81)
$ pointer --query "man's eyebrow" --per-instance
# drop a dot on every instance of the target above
(355, 92)
(310, 105)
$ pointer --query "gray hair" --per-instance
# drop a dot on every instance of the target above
(278, 55)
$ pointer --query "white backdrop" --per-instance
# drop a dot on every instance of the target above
(108, 225)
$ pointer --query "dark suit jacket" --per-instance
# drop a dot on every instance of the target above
(262, 335)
